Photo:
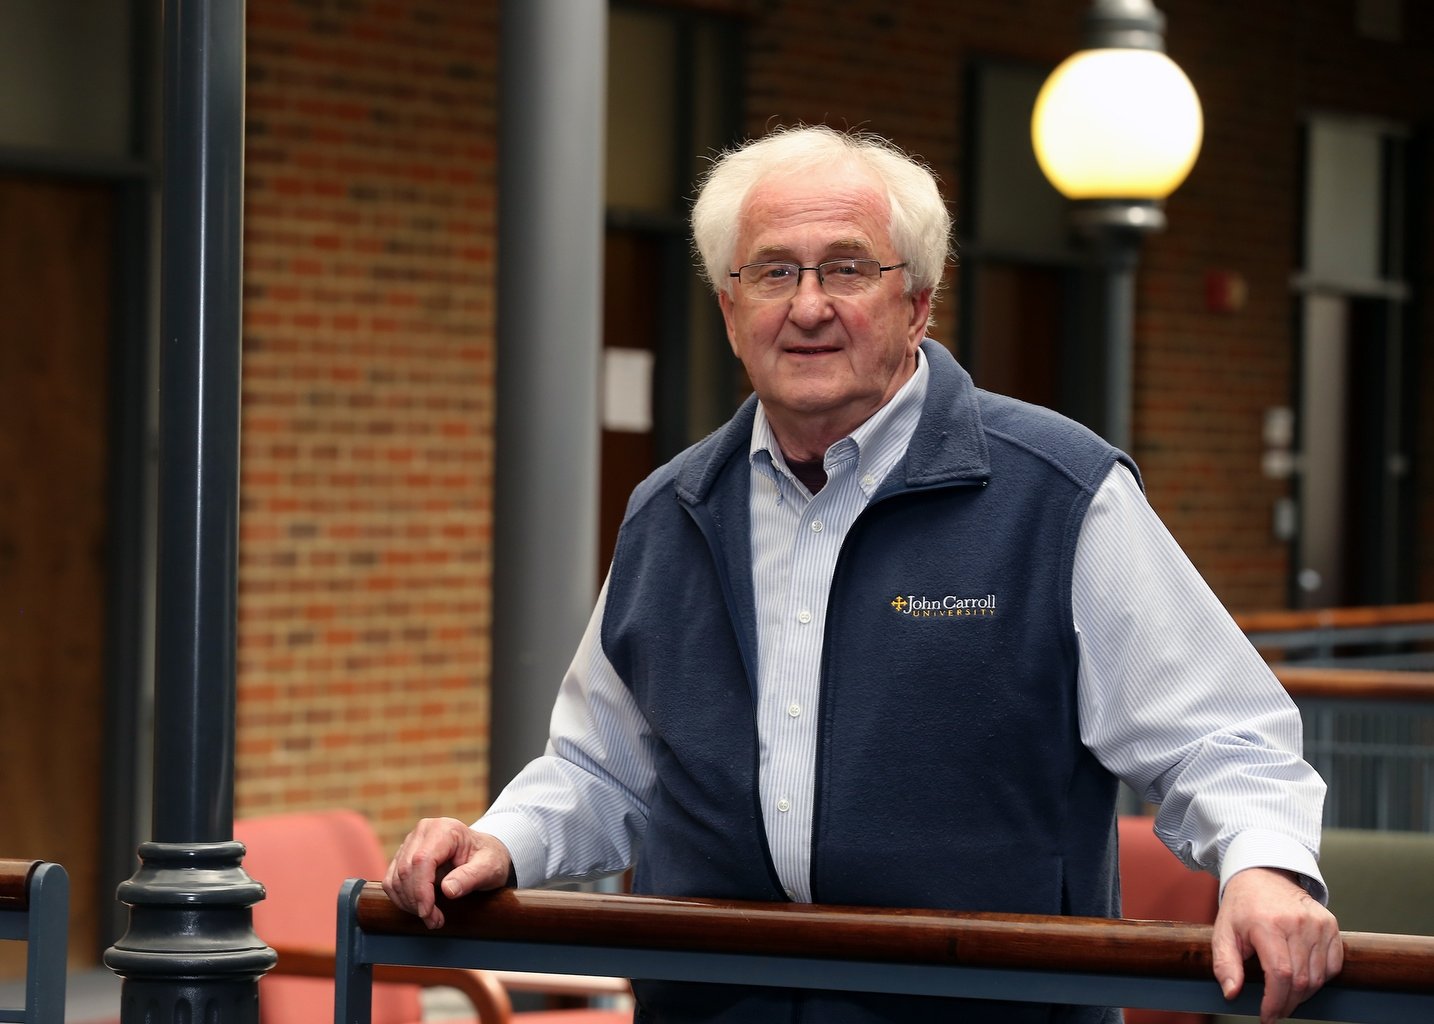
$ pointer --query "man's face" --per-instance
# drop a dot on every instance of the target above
(822, 364)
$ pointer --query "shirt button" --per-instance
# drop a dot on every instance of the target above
(868, 481)
(816, 526)
(804, 616)
(791, 894)
(784, 805)
(794, 709)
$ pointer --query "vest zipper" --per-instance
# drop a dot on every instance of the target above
(857, 524)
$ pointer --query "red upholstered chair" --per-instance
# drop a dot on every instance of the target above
(1155, 886)
(303, 859)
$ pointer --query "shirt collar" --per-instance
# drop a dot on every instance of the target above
(879, 442)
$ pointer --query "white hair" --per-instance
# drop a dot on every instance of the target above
(919, 227)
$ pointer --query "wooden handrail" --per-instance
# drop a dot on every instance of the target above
(15, 883)
(1329, 683)
(1334, 618)
(1117, 947)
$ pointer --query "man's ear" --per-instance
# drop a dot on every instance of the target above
(920, 314)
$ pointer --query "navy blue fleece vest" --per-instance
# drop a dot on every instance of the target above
(949, 771)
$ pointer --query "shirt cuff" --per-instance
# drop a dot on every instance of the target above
(1262, 848)
(524, 841)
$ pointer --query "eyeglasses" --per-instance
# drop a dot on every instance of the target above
(838, 278)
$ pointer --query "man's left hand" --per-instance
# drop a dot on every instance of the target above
(1267, 913)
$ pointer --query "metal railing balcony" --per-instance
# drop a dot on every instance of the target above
(1387, 979)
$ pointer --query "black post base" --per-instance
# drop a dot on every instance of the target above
(181, 1002)
(190, 953)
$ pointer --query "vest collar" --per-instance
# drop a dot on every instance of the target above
(949, 445)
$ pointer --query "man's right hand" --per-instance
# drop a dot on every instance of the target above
(476, 861)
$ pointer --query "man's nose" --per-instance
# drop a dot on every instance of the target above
(811, 304)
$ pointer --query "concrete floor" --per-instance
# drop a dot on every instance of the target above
(92, 996)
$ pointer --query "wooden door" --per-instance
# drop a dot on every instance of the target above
(55, 271)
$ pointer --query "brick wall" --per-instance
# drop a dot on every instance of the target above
(1205, 379)
(365, 547)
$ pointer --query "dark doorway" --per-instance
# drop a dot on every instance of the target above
(55, 273)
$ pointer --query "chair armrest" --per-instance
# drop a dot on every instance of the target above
(482, 988)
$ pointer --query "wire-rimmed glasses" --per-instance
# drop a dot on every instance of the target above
(838, 278)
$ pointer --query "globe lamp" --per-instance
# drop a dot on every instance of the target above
(1116, 129)
(1117, 126)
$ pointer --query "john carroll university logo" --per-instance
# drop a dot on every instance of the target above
(919, 606)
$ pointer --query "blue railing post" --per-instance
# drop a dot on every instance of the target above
(353, 976)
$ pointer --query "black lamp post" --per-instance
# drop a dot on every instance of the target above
(1116, 129)
(190, 953)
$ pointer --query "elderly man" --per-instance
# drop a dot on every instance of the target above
(887, 639)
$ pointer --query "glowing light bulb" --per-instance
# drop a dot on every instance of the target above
(1117, 124)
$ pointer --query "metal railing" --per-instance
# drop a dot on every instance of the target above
(1387, 979)
(35, 908)
(1364, 681)
(1399, 637)
(1370, 735)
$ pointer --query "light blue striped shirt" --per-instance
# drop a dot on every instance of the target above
(1173, 699)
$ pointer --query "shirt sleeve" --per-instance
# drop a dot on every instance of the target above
(580, 810)
(1175, 700)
